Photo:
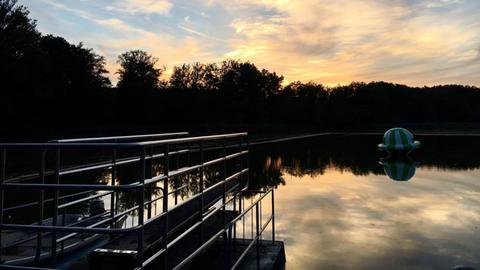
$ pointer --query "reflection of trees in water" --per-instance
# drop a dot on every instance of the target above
(355, 154)
(268, 163)
(191, 180)
(266, 173)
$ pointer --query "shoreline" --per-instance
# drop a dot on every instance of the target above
(441, 133)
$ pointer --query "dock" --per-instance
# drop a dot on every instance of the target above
(159, 201)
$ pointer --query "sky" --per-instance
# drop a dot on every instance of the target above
(414, 42)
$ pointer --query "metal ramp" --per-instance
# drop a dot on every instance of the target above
(193, 191)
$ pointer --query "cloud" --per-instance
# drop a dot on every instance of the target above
(371, 222)
(189, 30)
(340, 41)
(141, 6)
(441, 3)
(416, 42)
(114, 34)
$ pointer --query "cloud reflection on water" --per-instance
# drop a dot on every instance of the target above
(341, 221)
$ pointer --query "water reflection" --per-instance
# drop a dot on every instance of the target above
(354, 154)
(399, 168)
(335, 209)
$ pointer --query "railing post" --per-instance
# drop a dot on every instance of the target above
(53, 250)
(241, 203)
(166, 172)
(248, 161)
(273, 216)
(257, 235)
(3, 164)
(149, 176)
(228, 254)
(166, 169)
(41, 198)
(113, 197)
(240, 145)
(224, 197)
(175, 179)
(62, 244)
(141, 206)
(202, 172)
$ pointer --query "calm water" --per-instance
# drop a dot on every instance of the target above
(341, 204)
(337, 207)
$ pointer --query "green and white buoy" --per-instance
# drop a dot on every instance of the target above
(399, 169)
(398, 140)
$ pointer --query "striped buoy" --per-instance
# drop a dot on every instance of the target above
(398, 140)
(398, 170)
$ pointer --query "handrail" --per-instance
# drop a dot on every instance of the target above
(95, 166)
(18, 267)
(45, 201)
(110, 187)
(192, 139)
(223, 231)
(121, 138)
(70, 186)
(127, 144)
(45, 228)
(146, 181)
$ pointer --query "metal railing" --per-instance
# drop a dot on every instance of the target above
(146, 153)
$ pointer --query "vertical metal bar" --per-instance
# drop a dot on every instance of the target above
(3, 161)
(234, 224)
(62, 244)
(251, 216)
(41, 198)
(114, 192)
(228, 244)
(53, 250)
(202, 172)
(258, 235)
(248, 162)
(261, 213)
(224, 196)
(175, 179)
(235, 195)
(141, 206)
(189, 175)
(189, 147)
(273, 216)
(166, 172)
(149, 176)
(177, 157)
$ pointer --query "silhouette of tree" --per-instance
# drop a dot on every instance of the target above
(47, 82)
(73, 67)
(21, 62)
(74, 76)
(196, 76)
(137, 71)
(138, 86)
(244, 78)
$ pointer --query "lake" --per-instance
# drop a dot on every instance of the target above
(341, 205)
(339, 202)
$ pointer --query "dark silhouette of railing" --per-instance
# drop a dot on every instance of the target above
(146, 149)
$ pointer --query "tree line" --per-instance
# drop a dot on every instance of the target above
(50, 84)
(357, 155)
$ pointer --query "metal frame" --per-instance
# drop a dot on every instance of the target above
(145, 155)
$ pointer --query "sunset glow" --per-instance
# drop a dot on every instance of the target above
(415, 42)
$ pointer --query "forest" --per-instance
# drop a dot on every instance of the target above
(52, 88)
